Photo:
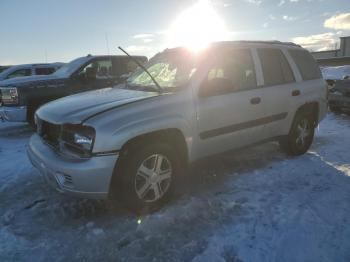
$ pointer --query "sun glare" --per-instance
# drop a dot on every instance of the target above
(197, 26)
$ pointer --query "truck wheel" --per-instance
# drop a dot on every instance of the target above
(335, 109)
(148, 176)
(30, 115)
(301, 135)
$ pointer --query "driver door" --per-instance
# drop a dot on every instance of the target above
(229, 119)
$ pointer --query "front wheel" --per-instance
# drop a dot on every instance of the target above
(301, 135)
(335, 109)
(148, 176)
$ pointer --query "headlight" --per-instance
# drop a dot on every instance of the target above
(78, 139)
(82, 140)
(9, 95)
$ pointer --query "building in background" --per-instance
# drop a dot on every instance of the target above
(337, 57)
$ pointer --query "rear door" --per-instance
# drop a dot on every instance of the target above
(230, 118)
(278, 87)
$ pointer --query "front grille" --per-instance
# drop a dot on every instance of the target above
(68, 181)
(49, 132)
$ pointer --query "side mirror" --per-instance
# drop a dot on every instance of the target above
(215, 87)
(346, 77)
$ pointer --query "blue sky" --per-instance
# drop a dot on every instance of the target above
(35, 31)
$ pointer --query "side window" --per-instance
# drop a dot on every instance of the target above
(125, 66)
(99, 69)
(44, 70)
(306, 64)
(20, 73)
(237, 67)
(275, 67)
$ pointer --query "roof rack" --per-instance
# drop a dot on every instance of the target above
(261, 42)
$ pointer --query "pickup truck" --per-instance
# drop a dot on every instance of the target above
(28, 70)
(21, 97)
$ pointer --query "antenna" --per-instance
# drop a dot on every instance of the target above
(107, 43)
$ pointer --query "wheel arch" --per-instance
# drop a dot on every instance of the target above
(172, 136)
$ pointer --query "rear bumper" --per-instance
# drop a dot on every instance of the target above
(13, 114)
(87, 178)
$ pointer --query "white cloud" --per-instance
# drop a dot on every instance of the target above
(289, 18)
(138, 48)
(147, 40)
(255, 2)
(141, 36)
(319, 42)
(265, 25)
(338, 22)
(282, 2)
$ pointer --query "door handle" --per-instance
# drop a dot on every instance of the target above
(295, 92)
(255, 100)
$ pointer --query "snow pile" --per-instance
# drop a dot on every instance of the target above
(251, 205)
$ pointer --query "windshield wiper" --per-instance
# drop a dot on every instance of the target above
(144, 69)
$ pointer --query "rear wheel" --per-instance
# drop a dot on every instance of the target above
(147, 176)
(301, 135)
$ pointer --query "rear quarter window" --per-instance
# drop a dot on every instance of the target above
(306, 64)
(275, 66)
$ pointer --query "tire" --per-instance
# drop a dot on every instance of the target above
(145, 184)
(30, 115)
(335, 109)
(300, 136)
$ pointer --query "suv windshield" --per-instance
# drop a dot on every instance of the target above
(71, 67)
(171, 70)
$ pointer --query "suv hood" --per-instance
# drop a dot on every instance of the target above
(77, 108)
(27, 79)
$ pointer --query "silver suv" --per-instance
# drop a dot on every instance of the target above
(135, 139)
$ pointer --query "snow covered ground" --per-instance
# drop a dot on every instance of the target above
(251, 205)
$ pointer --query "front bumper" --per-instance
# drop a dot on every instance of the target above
(13, 113)
(87, 178)
(339, 100)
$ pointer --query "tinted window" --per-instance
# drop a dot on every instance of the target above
(238, 67)
(3, 68)
(306, 64)
(44, 70)
(20, 73)
(275, 66)
(101, 68)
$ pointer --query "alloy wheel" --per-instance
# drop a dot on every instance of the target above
(303, 132)
(153, 178)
